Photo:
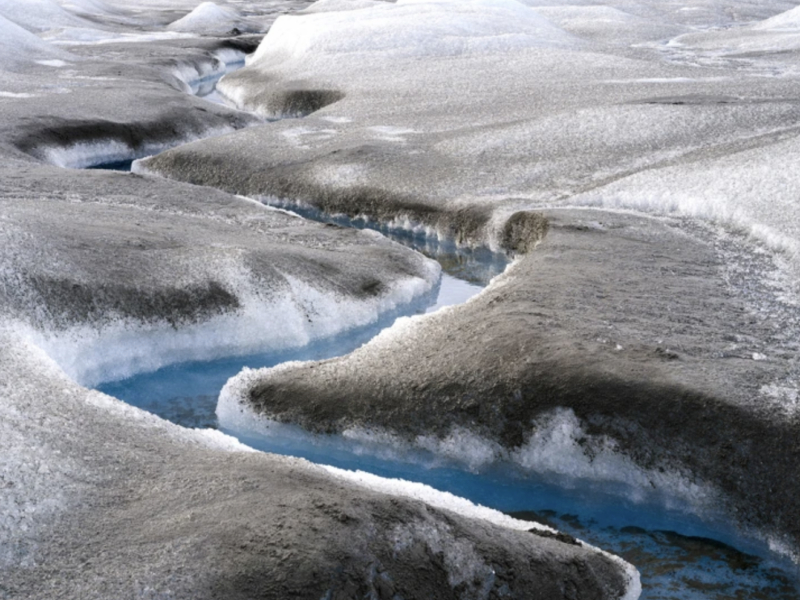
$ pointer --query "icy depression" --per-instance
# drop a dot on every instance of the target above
(636, 159)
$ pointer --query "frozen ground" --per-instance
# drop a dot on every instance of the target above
(104, 274)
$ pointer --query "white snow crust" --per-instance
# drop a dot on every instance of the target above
(19, 47)
(408, 28)
(39, 15)
(753, 191)
(789, 20)
(291, 318)
(82, 36)
(91, 8)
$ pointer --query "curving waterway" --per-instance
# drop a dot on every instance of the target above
(680, 556)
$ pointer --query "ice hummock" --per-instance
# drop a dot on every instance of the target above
(558, 449)
(417, 28)
(789, 20)
(210, 19)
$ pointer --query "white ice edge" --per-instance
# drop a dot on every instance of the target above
(728, 217)
(97, 37)
(466, 508)
(555, 449)
(292, 318)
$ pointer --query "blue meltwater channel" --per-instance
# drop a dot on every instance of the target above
(679, 555)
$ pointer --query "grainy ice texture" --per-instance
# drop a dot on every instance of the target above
(654, 322)
(114, 273)
(457, 114)
(106, 274)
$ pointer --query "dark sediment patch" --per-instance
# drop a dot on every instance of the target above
(68, 301)
(294, 100)
(464, 225)
(298, 103)
(54, 134)
(522, 231)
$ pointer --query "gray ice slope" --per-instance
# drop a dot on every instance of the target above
(92, 259)
(672, 345)
(106, 271)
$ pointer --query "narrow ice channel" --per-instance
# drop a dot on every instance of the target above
(118, 158)
(680, 556)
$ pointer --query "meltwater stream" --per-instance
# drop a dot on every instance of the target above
(680, 557)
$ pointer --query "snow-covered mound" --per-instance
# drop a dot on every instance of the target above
(19, 47)
(786, 20)
(38, 15)
(777, 35)
(210, 18)
(410, 28)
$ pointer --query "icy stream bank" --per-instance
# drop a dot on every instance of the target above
(681, 556)
(186, 392)
(102, 500)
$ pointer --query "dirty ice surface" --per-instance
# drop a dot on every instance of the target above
(683, 110)
(749, 181)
